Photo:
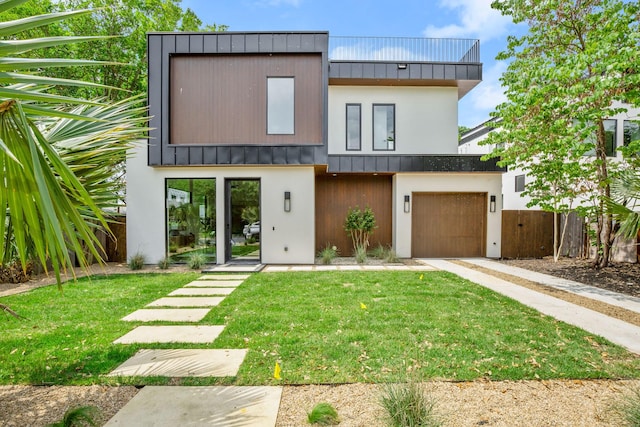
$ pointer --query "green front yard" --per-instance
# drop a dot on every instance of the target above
(322, 327)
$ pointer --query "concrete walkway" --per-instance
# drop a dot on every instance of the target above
(615, 330)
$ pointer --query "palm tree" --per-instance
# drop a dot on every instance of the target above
(57, 153)
(625, 203)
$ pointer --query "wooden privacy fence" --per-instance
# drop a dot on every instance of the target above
(527, 234)
(115, 250)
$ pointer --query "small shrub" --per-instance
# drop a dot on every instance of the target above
(136, 262)
(627, 409)
(196, 261)
(391, 257)
(78, 417)
(323, 414)
(164, 263)
(379, 252)
(328, 254)
(360, 225)
(361, 254)
(408, 404)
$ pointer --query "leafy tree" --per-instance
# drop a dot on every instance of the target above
(574, 68)
(462, 130)
(56, 152)
(131, 20)
(360, 224)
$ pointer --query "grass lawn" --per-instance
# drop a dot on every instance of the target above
(316, 326)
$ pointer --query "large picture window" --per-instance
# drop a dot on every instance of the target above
(384, 127)
(280, 105)
(354, 126)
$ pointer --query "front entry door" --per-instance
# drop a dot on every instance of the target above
(242, 220)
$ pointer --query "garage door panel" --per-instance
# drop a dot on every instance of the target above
(448, 225)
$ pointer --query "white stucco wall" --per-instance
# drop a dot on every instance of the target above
(426, 118)
(286, 237)
(490, 183)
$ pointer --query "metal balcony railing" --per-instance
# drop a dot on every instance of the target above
(404, 49)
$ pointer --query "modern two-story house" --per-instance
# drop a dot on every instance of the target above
(289, 130)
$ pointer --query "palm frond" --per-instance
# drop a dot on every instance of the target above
(17, 47)
(14, 64)
(9, 28)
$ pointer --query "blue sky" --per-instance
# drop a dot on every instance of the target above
(406, 18)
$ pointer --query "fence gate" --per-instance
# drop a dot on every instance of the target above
(527, 234)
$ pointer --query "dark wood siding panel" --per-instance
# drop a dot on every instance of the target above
(334, 197)
(222, 99)
(527, 234)
(448, 225)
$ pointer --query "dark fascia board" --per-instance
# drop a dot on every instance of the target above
(463, 75)
(408, 163)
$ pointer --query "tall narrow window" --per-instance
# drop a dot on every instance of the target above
(384, 127)
(609, 139)
(519, 183)
(354, 127)
(280, 105)
(631, 132)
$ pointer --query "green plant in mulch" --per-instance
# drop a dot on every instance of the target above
(164, 263)
(627, 409)
(408, 405)
(328, 254)
(323, 414)
(360, 225)
(361, 255)
(78, 417)
(391, 257)
(379, 252)
(136, 261)
(196, 260)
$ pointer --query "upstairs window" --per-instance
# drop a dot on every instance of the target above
(280, 105)
(384, 127)
(519, 183)
(354, 126)
(631, 132)
(610, 139)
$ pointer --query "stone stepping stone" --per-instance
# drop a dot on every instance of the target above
(166, 334)
(224, 277)
(182, 363)
(186, 302)
(201, 291)
(214, 284)
(195, 406)
(169, 315)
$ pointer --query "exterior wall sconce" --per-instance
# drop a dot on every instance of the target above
(287, 201)
(492, 204)
(407, 204)
(402, 66)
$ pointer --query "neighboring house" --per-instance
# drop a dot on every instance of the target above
(620, 129)
(316, 125)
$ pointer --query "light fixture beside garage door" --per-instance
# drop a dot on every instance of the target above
(407, 203)
(492, 204)
(287, 201)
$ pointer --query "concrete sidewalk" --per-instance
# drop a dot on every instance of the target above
(615, 330)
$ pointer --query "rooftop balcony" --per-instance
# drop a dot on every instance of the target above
(404, 49)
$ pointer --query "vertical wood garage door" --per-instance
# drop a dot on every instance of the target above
(448, 225)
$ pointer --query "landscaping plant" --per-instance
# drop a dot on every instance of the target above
(136, 261)
(196, 260)
(323, 414)
(409, 405)
(164, 263)
(328, 254)
(360, 225)
(627, 409)
(78, 417)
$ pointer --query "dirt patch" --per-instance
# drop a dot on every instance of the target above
(617, 277)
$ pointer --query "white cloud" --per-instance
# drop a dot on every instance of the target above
(477, 20)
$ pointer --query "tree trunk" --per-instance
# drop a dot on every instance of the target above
(605, 222)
